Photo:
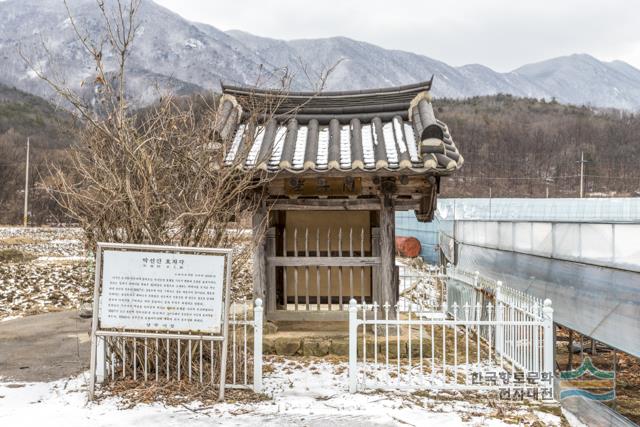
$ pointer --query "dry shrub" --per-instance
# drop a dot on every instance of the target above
(158, 175)
(125, 374)
(173, 393)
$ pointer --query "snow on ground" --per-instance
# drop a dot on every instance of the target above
(302, 391)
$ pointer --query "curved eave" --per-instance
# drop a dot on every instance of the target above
(383, 171)
(251, 90)
(392, 99)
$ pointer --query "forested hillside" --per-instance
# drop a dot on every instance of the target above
(518, 147)
(50, 131)
(513, 147)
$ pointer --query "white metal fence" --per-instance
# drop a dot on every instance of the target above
(148, 357)
(520, 346)
(422, 290)
(479, 344)
(464, 287)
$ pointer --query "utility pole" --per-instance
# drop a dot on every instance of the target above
(26, 188)
(581, 174)
(582, 162)
(548, 181)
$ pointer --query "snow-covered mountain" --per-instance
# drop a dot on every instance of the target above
(171, 52)
(168, 50)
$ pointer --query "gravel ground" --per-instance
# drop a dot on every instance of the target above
(57, 272)
(43, 241)
(43, 286)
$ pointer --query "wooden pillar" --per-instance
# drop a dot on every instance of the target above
(376, 290)
(270, 250)
(259, 223)
(387, 252)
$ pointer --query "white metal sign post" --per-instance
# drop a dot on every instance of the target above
(162, 292)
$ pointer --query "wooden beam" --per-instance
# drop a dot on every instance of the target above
(323, 261)
(259, 222)
(405, 185)
(339, 204)
(324, 204)
(387, 252)
(406, 204)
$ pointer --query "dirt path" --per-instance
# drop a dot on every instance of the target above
(45, 347)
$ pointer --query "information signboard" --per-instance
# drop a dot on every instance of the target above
(159, 292)
(144, 290)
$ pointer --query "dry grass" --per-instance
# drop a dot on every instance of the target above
(179, 381)
(173, 393)
(14, 255)
(456, 344)
(20, 240)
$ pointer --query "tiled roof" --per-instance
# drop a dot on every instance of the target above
(390, 129)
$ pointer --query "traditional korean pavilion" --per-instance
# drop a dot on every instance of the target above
(341, 164)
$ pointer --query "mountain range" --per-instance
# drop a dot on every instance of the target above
(173, 53)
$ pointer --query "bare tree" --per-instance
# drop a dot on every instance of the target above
(156, 175)
(161, 175)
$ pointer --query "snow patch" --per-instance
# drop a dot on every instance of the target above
(193, 44)
(302, 391)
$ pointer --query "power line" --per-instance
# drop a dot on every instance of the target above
(517, 178)
(612, 177)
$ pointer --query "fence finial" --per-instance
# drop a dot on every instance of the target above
(258, 302)
(547, 310)
(498, 292)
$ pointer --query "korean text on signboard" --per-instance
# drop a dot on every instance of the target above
(162, 291)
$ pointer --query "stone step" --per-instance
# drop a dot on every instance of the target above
(323, 344)
(331, 327)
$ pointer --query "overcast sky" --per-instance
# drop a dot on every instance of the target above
(500, 34)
